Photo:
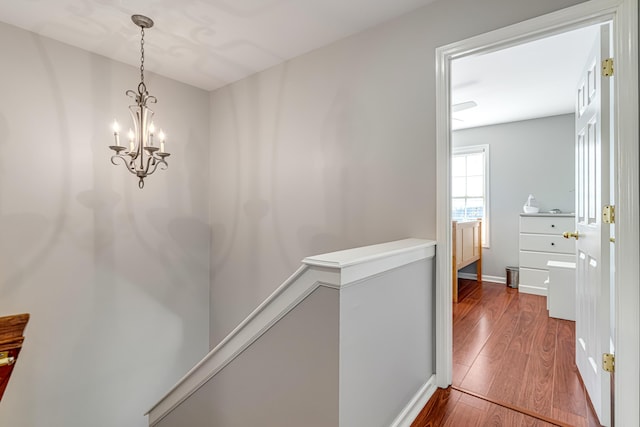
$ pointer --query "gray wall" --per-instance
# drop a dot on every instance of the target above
(527, 157)
(386, 343)
(116, 279)
(333, 149)
(288, 377)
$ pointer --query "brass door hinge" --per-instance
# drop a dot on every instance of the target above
(607, 67)
(608, 362)
(609, 214)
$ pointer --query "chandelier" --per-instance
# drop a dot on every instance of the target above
(140, 155)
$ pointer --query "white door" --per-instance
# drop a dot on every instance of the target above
(592, 247)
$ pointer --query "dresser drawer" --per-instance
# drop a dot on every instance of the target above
(547, 243)
(533, 277)
(539, 259)
(546, 224)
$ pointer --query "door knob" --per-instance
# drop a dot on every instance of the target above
(569, 234)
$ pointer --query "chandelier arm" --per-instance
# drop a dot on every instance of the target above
(158, 162)
(131, 164)
(150, 162)
(124, 161)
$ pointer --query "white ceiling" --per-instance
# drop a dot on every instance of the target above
(206, 43)
(210, 43)
(532, 80)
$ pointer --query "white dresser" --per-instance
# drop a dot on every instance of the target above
(541, 241)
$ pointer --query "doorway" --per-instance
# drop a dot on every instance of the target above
(623, 14)
(510, 107)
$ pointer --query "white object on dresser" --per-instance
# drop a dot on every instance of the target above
(561, 300)
(541, 241)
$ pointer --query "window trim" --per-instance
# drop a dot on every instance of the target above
(472, 149)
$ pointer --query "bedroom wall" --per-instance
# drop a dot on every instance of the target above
(526, 157)
(331, 150)
(116, 278)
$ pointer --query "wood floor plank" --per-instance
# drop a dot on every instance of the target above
(468, 311)
(504, 331)
(515, 408)
(475, 402)
(537, 392)
(439, 406)
(499, 416)
(468, 289)
(494, 300)
(470, 347)
(481, 374)
(496, 316)
(529, 321)
(464, 327)
(469, 294)
(534, 303)
(568, 394)
(459, 372)
(533, 422)
(508, 383)
(464, 415)
(569, 418)
(592, 418)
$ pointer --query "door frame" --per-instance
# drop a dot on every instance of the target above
(624, 16)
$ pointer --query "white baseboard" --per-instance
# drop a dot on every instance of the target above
(415, 405)
(485, 278)
(535, 290)
(525, 289)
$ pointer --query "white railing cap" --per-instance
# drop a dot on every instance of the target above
(365, 254)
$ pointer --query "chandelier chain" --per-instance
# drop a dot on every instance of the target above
(142, 55)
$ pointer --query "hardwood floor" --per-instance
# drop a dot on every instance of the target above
(450, 407)
(508, 350)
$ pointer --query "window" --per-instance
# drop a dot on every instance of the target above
(470, 186)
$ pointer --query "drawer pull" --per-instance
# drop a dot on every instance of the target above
(553, 244)
(553, 226)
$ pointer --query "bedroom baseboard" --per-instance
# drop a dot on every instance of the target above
(485, 278)
(534, 290)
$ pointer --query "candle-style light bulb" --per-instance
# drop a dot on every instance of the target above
(162, 137)
(131, 135)
(116, 130)
(152, 130)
